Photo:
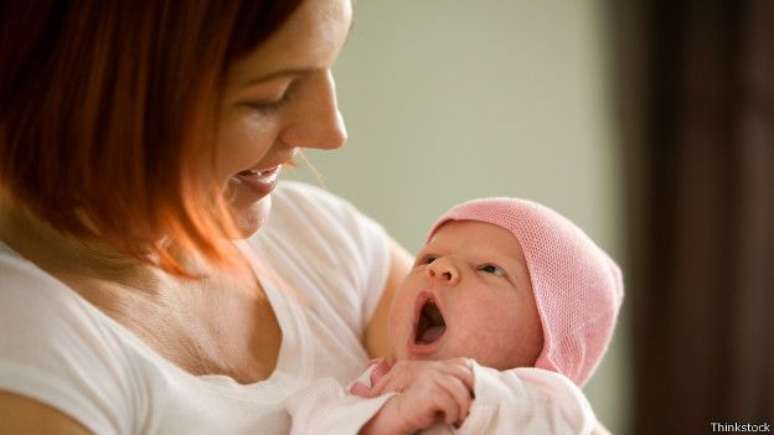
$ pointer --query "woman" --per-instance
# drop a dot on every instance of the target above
(137, 139)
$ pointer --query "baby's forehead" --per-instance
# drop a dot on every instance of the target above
(475, 237)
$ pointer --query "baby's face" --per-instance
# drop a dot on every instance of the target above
(468, 295)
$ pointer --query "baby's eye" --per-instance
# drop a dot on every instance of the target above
(427, 259)
(493, 269)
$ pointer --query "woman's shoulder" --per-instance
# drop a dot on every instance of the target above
(54, 348)
(40, 314)
(28, 293)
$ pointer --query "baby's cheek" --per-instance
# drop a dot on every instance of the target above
(475, 334)
(488, 334)
(400, 320)
(395, 331)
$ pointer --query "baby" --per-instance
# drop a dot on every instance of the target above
(506, 313)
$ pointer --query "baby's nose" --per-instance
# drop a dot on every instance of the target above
(444, 270)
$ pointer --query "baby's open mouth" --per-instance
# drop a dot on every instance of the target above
(430, 326)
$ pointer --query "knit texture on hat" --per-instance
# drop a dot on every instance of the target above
(577, 287)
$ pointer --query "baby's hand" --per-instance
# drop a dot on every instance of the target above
(400, 375)
(430, 392)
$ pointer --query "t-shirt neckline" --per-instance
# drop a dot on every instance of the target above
(292, 363)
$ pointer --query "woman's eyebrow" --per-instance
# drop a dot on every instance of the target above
(281, 73)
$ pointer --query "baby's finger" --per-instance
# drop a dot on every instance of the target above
(464, 374)
(446, 403)
(382, 368)
(359, 389)
(381, 386)
(457, 390)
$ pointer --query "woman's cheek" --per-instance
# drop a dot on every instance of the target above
(242, 143)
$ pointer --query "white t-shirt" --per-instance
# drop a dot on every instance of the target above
(59, 349)
(525, 400)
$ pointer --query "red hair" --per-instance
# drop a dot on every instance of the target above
(104, 106)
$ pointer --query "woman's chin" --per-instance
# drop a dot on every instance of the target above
(249, 218)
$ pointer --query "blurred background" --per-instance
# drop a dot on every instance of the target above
(650, 127)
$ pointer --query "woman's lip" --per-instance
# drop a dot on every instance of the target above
(261, 182)
(264, 171)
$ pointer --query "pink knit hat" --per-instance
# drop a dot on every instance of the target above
(577, 287)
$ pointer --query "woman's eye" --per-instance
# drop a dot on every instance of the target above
(270, 107)
(493, 269)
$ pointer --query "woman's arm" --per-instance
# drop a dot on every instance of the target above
(19, 414)
(376, 338)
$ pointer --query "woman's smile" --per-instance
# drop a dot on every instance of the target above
(261, 182)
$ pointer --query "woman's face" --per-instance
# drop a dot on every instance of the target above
(279, 98)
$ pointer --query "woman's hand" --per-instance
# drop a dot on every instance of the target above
(429, 392)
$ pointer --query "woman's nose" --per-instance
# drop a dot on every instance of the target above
(444, 270)
(316, 121)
